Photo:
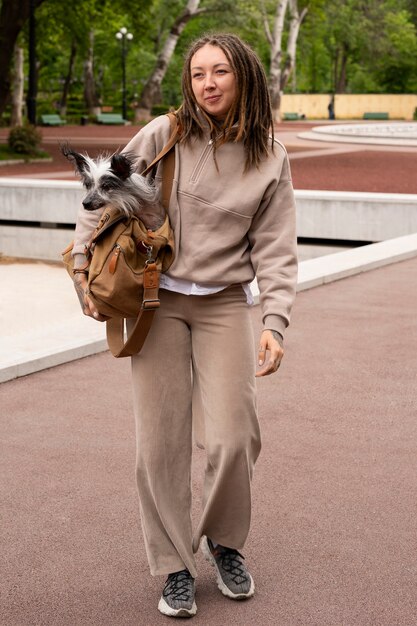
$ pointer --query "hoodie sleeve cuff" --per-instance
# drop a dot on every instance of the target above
(80, 261)
(275, 322)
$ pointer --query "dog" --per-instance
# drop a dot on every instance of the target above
(112, 180)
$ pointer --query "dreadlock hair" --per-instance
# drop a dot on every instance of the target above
(249, 118)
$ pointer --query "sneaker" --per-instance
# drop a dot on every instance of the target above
(177, 598)
(233, 579)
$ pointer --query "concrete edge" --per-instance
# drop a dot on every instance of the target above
(355, 196)
(364, 139)
(312, 273)
(327, 269)
(44, 183)
(39, 362)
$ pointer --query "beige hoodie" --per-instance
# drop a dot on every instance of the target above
(228, 225)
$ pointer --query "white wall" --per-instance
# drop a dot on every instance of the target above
(355, 215)
(349, 216)
(47, 201)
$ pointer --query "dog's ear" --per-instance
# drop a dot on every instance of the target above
(121, 165)
(76, 158)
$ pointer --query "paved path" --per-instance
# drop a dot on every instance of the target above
(314, 164)
(333, 540)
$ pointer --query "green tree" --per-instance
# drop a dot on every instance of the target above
(368, 41)
(167, 44)
(77, 49)
(344, 45)
(348, 25)
(13, 16)
(396, 61)
(314, 69)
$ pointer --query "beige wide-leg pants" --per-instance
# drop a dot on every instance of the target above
(205, 343)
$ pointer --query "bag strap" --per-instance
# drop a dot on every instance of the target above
(150, 302)
(169, 162)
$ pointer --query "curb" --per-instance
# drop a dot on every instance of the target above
(38, 362)
(312, 273)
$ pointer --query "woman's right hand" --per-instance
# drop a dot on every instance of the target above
(87, 306)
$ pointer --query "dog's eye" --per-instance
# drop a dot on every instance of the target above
(106, 185)
(87, 184)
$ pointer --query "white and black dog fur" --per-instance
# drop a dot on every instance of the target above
(111, 180)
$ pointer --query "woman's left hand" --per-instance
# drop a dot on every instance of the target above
(270, 342)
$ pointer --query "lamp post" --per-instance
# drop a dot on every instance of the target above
(123, 36)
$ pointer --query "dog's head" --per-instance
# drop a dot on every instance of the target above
(103, 177)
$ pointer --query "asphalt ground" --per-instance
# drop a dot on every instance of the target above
(333, 539)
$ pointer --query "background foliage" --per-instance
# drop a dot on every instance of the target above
(344, 46)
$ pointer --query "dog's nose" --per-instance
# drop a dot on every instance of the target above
(87, 204)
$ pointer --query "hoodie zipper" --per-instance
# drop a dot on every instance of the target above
(201, 162)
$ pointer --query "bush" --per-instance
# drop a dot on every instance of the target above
(415, 114)
(25, 139)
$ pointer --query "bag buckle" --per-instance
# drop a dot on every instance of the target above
(145, 249)
(151, 305)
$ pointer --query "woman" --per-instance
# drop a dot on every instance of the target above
(233, 214)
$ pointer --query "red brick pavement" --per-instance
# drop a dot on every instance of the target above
(362, 170)
(385, 170)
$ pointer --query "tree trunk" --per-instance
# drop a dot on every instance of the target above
(67, 82)
(90, 96)
(294, 78)
(335, 69)
(341, 78)
(295, 23)
(278, 75)
(17, 91)
(275, 40)
(13, 16)
(151, 93)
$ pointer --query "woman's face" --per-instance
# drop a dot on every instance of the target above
(213, 81)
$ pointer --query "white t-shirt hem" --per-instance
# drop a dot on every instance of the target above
(189, 288)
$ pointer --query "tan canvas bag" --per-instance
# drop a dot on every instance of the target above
(126, 261)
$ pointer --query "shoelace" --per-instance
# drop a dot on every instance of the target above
(232, 563)
(178, 586)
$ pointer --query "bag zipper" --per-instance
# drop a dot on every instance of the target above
(115, 257)
(117, 250)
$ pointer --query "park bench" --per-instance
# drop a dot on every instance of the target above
(376, 115)
(291, 116)
(52, 120)
(110, 118)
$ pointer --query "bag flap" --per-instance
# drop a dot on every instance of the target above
(109, 217)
